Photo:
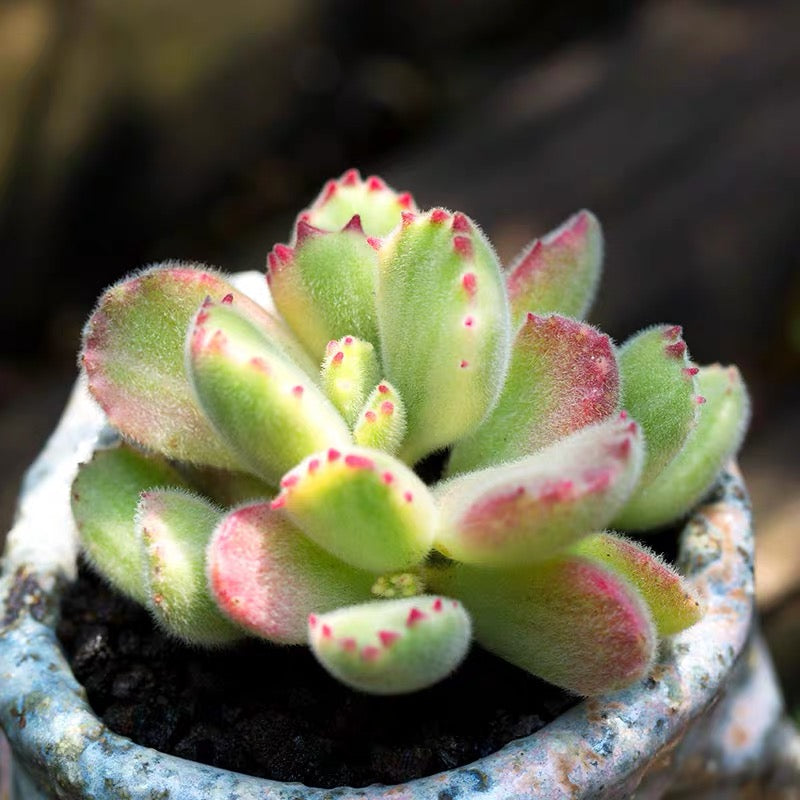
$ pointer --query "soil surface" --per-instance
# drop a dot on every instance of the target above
(273, 712)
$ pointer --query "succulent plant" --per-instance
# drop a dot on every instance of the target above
(264, 483)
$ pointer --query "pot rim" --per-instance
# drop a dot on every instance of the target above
(597, 745)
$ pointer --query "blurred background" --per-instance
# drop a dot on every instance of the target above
(132, 132)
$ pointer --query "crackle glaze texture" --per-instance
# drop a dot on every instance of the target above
(603, 748)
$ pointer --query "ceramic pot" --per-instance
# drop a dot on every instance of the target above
(661, 732)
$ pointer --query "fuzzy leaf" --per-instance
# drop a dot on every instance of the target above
(378, 206)
(268, 577)
(105, 494)
(263, 406)
(567, 620)
(562, 377)
(349, 372)
(325, 285)
(133, 355)
(660, 393)
(382, 422)
(362, 506)
(444, 326)
(560, 272)
(174, 528)
(673, 605)
(392, 646)
(719, 433)
(532, 508)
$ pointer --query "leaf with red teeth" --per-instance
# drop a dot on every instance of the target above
(673, 605)
(133, 354)
(174, 528)
(716, 438)
(568, 620)
(325, 286)
(263, 406)
(562, 377)
(559, 272)
(349, 372)
(267, 577)
(362, 506)
(660, 393)
(444, 327)
(104, 498)
(530, 509)
(378, 205)
(382, 421)
(392, 646)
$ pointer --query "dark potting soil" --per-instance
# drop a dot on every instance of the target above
(273, 712)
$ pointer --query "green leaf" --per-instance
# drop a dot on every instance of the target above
(444, 327)
(530, 509)
(325, 285)
(267, 577)
(263, 406)
(349, 372)
(382, 423)
(362, 506)
(105, 494)
(673, 605)
(392, 646)
(560, 272)
(688, 477)
(174, 529)
(133, 354)
(660, 393)
(562, 377)
(568, 620)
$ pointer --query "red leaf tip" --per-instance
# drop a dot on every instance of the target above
(359, 462)
(470, 283)
(228, 299)
(438, 216)
(672, 332)
(350, 178)
(675, 350)
(354, 224)
(370, 653)
(414, 616)
(304, 229)
(375, 184)
(388, 637)
(463, 246)
(461, 223)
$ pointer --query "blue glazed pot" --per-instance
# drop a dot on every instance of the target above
(603, 748)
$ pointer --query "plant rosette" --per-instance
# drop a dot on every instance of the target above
(606, 747)
(259, 478)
